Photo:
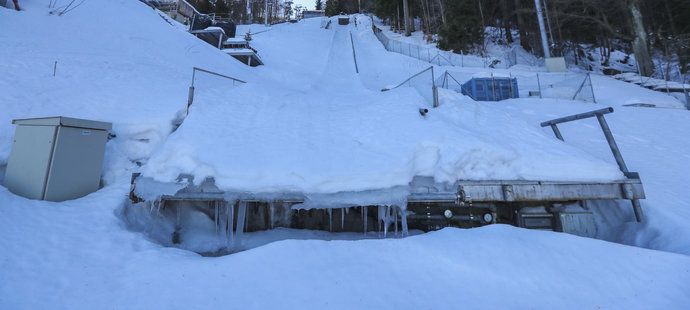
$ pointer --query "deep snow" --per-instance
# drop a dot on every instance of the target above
(119, 61)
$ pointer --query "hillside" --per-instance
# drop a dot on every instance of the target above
(307, 122)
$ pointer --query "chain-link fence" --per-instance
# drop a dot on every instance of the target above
(567, 86)
(424, 83)
(443, 58)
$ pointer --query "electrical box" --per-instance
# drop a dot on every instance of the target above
(56, 158)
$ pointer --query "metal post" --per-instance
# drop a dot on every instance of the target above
(434, 90)
(354, 55)
(539, 85)
(591, 87)
(557, 132)
(637, 209)
(612, 143)
(190, 97)
(542, 29)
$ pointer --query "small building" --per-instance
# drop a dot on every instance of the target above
(491, 88)
(313, 13)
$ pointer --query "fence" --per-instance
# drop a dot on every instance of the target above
(424, 82)
(442, 58)
(566, 86)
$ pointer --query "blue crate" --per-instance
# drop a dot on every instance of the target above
(491, 89)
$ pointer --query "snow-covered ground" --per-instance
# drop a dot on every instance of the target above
(307, 122)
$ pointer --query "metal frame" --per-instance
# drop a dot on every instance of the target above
(434, 89)
(190, 97)
(599, 114)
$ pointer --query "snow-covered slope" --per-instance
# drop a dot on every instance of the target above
(119, 61)
(77, 255)
(341, 133)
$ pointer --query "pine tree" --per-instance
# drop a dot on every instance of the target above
(332, 7)
(319, 4)
(221, 8)
(463, 30)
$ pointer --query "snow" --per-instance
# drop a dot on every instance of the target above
(328, 135)
(306, 122)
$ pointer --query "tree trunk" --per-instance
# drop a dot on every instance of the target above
(443, 11)
(406, 18)
(640, 44)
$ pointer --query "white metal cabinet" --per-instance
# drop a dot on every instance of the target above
(56, 158)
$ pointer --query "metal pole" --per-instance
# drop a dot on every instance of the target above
(539, 85)
(542, 29)
(434, 90)
(637, 208)
(190, 97)
(612, 143)
(591, 87)
(548, 22)
(354, 55)
(557, 132)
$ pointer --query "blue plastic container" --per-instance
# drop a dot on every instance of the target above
(491, 88)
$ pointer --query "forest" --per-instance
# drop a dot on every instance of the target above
(649, 29)
(656, 32)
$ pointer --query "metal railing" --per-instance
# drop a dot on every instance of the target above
(434, 89)
(354, 54)
(599, 114)
(190, 97)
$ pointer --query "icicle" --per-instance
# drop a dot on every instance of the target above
(271, 211)
(403, 221)
(385, 222)
(216, 218)
(364, 214)
(241, 217)
(330, 220)
(229, 235)
(396, 210)
(286, 213)
(379, 217)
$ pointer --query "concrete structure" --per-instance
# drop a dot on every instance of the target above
(56, 158)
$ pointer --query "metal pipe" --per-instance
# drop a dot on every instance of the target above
(408, 79)
(557, 132)
(612, 143)
(578, 116)
(354, 55)
(637, 209)
(542, 29)
(213, 73)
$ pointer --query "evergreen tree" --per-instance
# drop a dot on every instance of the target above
(204, 6)
(332, 7)
(221, 8)
(463, 30)
(319, 4)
